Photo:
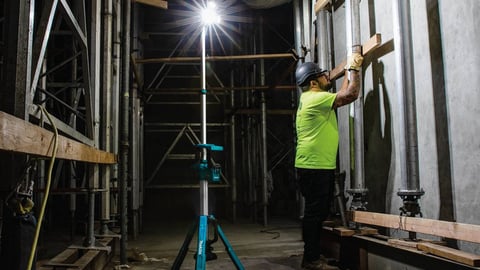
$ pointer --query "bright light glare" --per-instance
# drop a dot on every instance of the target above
(209, 14)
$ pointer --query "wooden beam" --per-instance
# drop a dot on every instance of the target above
(82, 257)
(402, 243)
(459, 231)
(156, 3)
(369, 46)
(20, 136)
(412, 243)
(450, 253)
(195, 59)
(320, 5)
(342, 231)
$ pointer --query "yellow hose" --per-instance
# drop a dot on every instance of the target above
(47, 189)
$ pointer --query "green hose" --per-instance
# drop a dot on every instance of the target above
(47, 189)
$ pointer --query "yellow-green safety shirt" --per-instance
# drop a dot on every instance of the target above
(317, 131)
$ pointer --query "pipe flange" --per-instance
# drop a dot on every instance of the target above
(410, 193)
(357, 191)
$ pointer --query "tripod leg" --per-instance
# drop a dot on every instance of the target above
(202, 243)
(183, 250)
(229, 249)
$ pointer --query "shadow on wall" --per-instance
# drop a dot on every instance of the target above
(446, 209)
(378, 141)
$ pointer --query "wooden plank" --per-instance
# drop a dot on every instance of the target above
(20, 136)
(196, 59)
(342, 231)
(413, 243)
(402, 243)
(86, 259)
(156, 3)
(67, 256)
(450, 253)
(367, 231)
(63, 260)
(321, 4)
(57, 265)
(369, 46)
(454, 230)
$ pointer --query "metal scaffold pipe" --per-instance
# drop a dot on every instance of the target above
(324, 52)
(124, 143)
(358, 189)
(264, 132)
(411, 191)
(298, 34)
(323, 47)
(106, 140)
(298, 30)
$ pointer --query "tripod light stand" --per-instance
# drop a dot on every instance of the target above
(207, 172)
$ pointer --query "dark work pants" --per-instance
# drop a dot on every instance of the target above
(316, 187)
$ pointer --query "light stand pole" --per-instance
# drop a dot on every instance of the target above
(207, 172)
(203, 102)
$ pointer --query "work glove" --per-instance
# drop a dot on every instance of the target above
(354, 62)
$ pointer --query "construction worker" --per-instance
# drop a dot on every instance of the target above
(317, 146)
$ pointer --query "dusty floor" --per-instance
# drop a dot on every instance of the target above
(277, 246)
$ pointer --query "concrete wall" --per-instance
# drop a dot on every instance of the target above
(446, 35)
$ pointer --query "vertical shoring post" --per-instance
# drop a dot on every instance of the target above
(106, 112)
(324, 51)
(125, 130)
(93, 82)
(410, 191)
(358, 189)
(134, 127)
(298, 33)
(264, 132)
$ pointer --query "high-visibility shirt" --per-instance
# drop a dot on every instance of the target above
(317, 131)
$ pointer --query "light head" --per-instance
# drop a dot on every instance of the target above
(210, 15)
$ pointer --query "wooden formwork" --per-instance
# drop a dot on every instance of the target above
(79, 258)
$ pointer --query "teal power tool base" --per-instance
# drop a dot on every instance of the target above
(204, 250)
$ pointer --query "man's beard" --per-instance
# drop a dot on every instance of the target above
(327, 86)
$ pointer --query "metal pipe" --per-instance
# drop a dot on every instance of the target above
(323, 47)
(264, 132)
(135, 127)
(134, 163)
(107, 112)
(93, 81)
(307, 29)
(124, 143)
(218, 89)
(325, 61)
(406, 85)
(71, 165)
(298, 28)
(233, 154)
(116, 84)
(359, 177)
(298, 47)
(411, 190)
(358, 190)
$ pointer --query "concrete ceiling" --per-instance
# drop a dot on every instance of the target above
(263, 4)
